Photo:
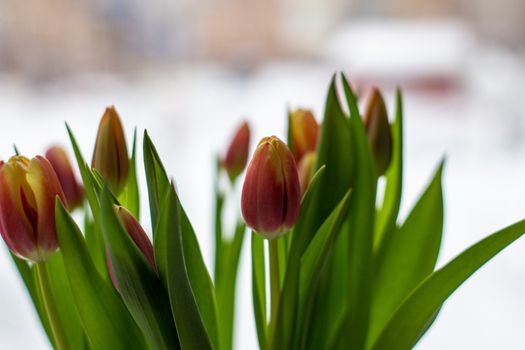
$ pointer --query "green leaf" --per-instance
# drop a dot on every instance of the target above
(313, 261)
(140, 287)
(158, 184)
(66, 308)
(259, 289)
(286, 317)
(95, 240)
(408, 255)
(360, 229)
(335, 152)
(317, 253)
(106, 321)
(184, 280)
(130, 196)
(225, 284)
(411, 318)
(387, 216)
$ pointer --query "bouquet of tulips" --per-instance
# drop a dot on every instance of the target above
(344, 272)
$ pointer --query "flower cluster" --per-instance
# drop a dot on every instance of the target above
(344, 270)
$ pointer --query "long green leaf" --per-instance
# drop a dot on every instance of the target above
(284, 330)
(95, 240)
(360, 229)
(410, 319)
(66, 308)
(188, 319)
(408, 255)
(140, 287)
(130, 196)
(313, 261)
(106, 321)
(315, 256)
(387, 216)
(335, 150)
(157, 181)
(225, 284)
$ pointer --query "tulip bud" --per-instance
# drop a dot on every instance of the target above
(304, 132)
(237, 155)
(271, 193)
(378, 131)
(306, 170)
(110, 156)
(28, 189)
(139, 237)
(72, 190)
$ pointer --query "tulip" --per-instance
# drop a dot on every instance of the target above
(137, 235)
(28, 189)
(378, 131)
(304, 133)
(271, 191)
(110, 156)
(237, 155)
(306, 170)
(72, 189)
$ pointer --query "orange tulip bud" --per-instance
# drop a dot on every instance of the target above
(110, 156)
(28, 189)
(235, 160)
(378, 131)
(306, 170)
(72, 189)
(304, 132)
(271, 193)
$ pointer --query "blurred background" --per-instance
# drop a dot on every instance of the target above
(190, 71)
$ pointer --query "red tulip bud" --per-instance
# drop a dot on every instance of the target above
(306, 170)
(28, 189)
(110, 156)
(271, 193)
(304, 132)
(60, 162)
(235, 160)
(139, 237)
(378, 131)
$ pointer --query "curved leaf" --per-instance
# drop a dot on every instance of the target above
(411, 318)
(408, 255)
(140, 287)
(106, 321)
(185, 309)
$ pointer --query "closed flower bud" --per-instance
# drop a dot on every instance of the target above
(304, 132)
(110, 156)
(237, 155)
(28, 190)
(271, 193)
(378, 131)
(60, 162)
(306, 170)
(139, 237)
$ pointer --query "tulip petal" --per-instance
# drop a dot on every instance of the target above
(45, 186)
(17, 231)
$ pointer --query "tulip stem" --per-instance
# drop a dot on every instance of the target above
(275, 283)
(50, 308)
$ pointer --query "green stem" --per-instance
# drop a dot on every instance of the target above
(50, 307)
(275, 284)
